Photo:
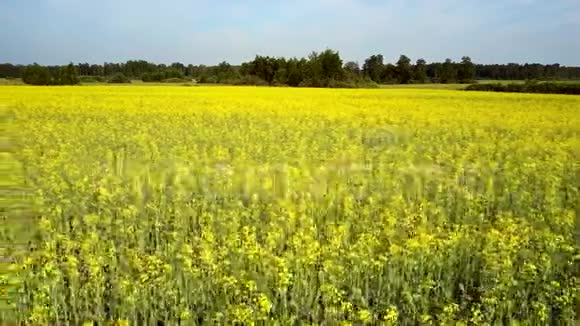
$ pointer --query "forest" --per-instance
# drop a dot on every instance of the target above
(318, 69)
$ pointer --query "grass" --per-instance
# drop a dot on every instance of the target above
(16, 81)
(503, 82)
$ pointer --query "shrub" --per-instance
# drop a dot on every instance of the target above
(162, 76)
(175, 80)
(119, 78)
(340, 84)
(91, 79)
(172, 73)
(153, 76)
(251, 80)
(208, 80)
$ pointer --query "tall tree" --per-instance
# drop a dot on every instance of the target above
(225, 72)
(466, 71)
(84, 69)
(8, 70)
(352, 71)
(295, 70)
(178, 66)
(373, 67)
(36, 75)
(404, 69)
(264, 68)
(420, 71)
(447, 73)
(67, 75)
(390, 75)
(331, 64)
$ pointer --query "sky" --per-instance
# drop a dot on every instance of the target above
(211, 31)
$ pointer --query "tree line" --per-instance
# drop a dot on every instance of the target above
(529, 87)
(319, 69)
(56, 75)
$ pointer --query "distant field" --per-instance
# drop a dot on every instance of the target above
(139, 82)
(17, 81)
(282, 205)
(492, 81)
(424, 86)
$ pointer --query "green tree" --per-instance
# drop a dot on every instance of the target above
(419, 71)
(324, 68)
(466, 72)
(447, 72)
(36, 75)
(67, 75)
(313, 69)
(331, 64)
(119, 78)
(352, 68)
(404, 69)
(389, 74)
(373, 67)
(153, 76)
(295, 71)
(226, 73)
(178, 66)
(264, 68)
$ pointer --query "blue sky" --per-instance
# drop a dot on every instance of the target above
(210, 31)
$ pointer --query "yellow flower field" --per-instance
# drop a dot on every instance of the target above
(201, 205)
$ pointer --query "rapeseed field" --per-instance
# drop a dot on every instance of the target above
(277, 206)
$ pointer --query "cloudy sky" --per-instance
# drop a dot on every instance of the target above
(210, 31)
